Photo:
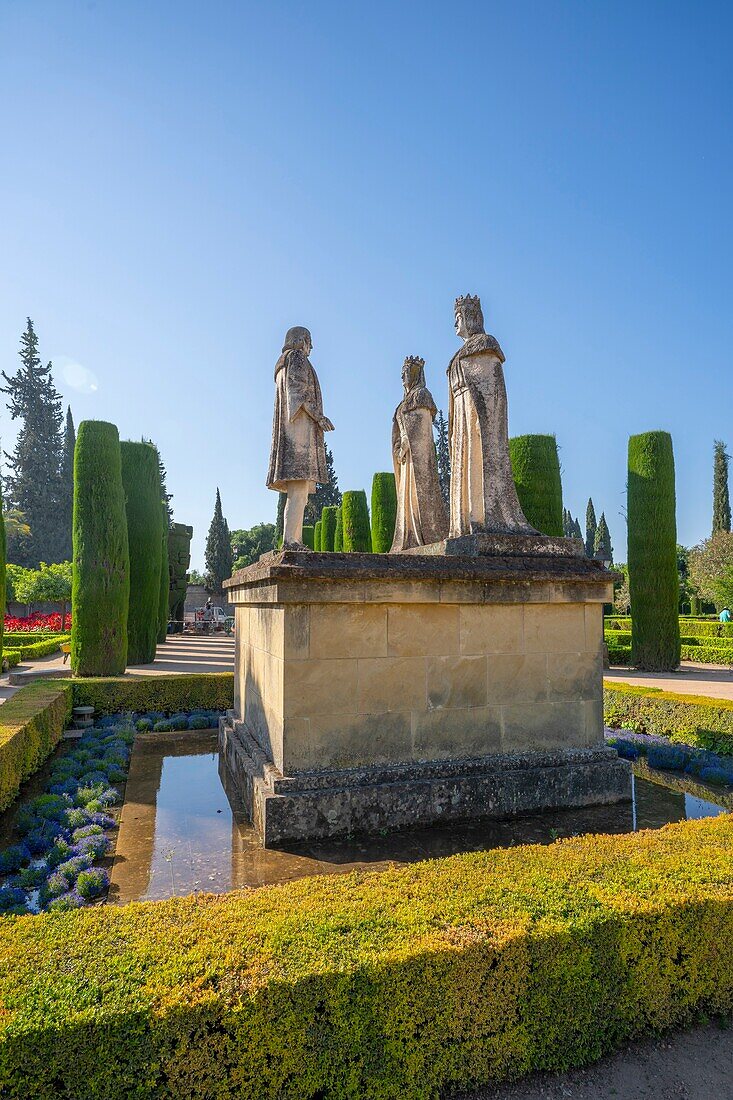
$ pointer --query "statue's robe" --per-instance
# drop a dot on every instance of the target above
(298, 452)
(483, 496)
(421, 512)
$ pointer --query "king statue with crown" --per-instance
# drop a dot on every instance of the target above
(483, 497)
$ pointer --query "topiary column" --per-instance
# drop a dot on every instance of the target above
(141, 481)
(357, 536)
(338, 535)
(652, 553)
(101, 570)
(165, 580)
(317, 536)
(384, 512)
(179, 559)
(536, 470)
(328, 528)
(308, 533)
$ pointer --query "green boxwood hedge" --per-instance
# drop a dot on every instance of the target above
(443, 975)
(170, 694)
(31, 724)
(691, 719)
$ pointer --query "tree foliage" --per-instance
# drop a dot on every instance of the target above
(325, 494)
(101, 572)
(34, 485)
(141, 481)
(536, 470)
(384, 512)
(328, 527)
(721, 496)
(357, 535)
(218, 554)
(711, 569)
(66, 508)
(652, 547)
(602, 544)
(442, 453)
(248, 544)
(590, 528)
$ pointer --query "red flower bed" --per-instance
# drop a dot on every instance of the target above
(51, 623)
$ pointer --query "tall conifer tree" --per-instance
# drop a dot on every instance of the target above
(34, 486)
(602, 548)
(721, 497)
(442, 453)
(218, 556)
(590, 528)
(67, 484)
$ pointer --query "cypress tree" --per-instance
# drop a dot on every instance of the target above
(442, 453)
(34, 485)
(179, 559)
(357, 536)
(101, 572)
(338, 537)
(218, 554)
(721, 497)
(652, 553)
(602, 548)
(536, 470)
(317, 535)
(577, 533)
(328, 528)
(141, 481)
(384, 512)
(590, 528)
(325, 494)
(66, 510)
(165, 581)
(308, 535)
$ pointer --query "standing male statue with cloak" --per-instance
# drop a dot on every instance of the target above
(298, 454)
(483, 497)
(421, 517)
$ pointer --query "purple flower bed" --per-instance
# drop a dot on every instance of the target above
(660, 752)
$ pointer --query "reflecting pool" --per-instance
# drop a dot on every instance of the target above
(180, 830)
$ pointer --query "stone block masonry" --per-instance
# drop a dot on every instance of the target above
(375, 691)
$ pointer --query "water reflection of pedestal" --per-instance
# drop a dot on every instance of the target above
(378, 691)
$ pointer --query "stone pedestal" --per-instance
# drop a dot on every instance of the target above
(378, 691)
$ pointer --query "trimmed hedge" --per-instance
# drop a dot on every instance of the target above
(31, 724)
(654, 584)
(445, 974)
(165, 581)
(170, 694)
(689, 719)
(317, 535)
(307, 539)
(355, 513)
(707, 654)
(101, 576)
(384, 512)
(40, 648)
(536, 470)
(328, 528)
(141, 479)
(338, 537)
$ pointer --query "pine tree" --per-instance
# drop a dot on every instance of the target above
(602, 548)
(566, 523)
(325, 495)
(67, 485)
(721, 497)
(218, 555)
(442, 453)
(590, 528)
(34, 485)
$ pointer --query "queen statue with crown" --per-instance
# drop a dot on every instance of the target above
(483, 497)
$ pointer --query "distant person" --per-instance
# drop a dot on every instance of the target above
(208, 604)
(725, 615)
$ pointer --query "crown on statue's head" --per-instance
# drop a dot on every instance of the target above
(414, 362)
(471, 300)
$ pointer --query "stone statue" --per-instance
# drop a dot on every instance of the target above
(298, 455)
(421, 514)
(483, 497)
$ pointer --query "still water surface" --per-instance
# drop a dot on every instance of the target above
(179, 832)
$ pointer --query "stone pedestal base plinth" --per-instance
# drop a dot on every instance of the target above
(374, 691)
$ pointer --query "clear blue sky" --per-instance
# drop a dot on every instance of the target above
(181, 182)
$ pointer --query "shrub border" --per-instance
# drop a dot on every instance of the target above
(31, 724)
(695, 720)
